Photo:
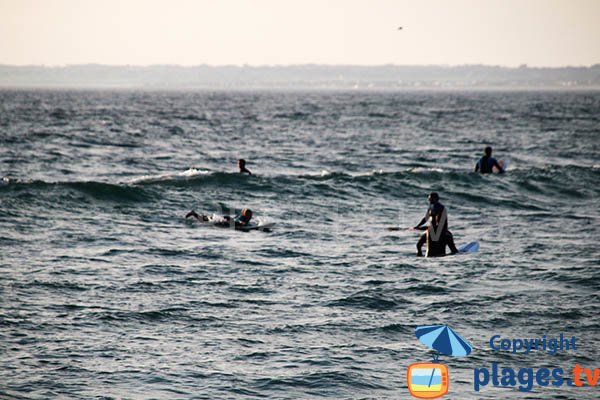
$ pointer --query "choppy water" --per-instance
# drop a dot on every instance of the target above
(106, 291)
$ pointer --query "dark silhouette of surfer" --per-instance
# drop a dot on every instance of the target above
(242, 166)
(486, 164)
(436, 235)
(241, 220)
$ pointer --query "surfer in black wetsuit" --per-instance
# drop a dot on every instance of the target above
(486, 163)
(242, 166)
(241, 220)
(244, 218)
(439, 236)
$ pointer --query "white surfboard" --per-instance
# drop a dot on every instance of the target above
(503, 164)
(469, 247)
(256, 227)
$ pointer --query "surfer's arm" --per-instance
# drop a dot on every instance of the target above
(500, 169)
(424, 220)
(477, 167)
(240, 224)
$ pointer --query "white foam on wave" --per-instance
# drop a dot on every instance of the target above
(370, 173)
(193, 172)
(325, 173)
(187, 174)
(216, 219)
(425, 169)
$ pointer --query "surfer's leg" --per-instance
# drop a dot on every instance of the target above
(202, 218)
(450, 242)
(192, 214)
(420, 244)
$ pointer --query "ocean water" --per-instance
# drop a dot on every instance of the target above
(106, 291)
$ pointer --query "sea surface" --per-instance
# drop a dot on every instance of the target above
(107, 291)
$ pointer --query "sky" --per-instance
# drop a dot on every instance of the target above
(543, 33)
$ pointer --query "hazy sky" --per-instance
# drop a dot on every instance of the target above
(268, 32)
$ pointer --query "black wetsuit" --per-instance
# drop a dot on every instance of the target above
(486, 164)
(239, 221)
(435, 213)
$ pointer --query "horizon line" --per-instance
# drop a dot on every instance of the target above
(520, 66)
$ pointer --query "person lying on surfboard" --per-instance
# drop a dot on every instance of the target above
(241, 220)
(242, 166)
(486, 164)
(437, 216)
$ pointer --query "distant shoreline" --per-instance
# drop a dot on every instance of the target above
(300, 77)
(308, 89)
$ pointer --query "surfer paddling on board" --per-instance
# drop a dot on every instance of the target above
(240, 221)
(242, 166)
(486, 164)
(436, 235)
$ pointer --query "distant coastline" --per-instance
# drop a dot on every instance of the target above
(309, 76)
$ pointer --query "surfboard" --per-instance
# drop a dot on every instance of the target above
(503, 164)
(471, 247)
(256, 227)
(221, 222)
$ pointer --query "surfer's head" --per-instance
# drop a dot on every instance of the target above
(247, 214)
(433, 197)
(241, 163)
(488, 151)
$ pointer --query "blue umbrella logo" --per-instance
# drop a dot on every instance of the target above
(444, 340)
(431, 380)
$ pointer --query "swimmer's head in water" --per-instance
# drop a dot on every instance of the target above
(241, 163)
(433, 197)
(488, 151)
